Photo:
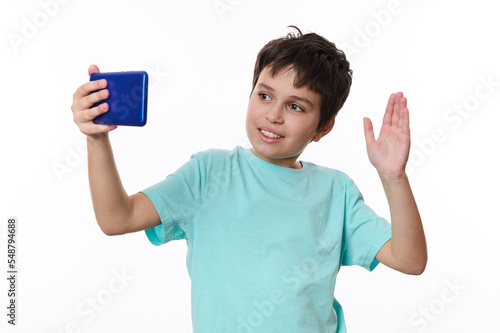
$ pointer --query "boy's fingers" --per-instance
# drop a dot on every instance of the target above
(106, 128)
(84, 97)
(388, 110)
(86, 116)
(403, 117)
(87, 101)
(369, 135)
(96, 111)
(404, 102)
(89, 87)
(95, 97)
(93, 129)
(397, 109)
(93, 69)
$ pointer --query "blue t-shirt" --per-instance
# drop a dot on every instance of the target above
(265, 242)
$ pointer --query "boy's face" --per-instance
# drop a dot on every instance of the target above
(282, 119)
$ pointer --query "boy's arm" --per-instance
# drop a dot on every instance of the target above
(116, 212)
(407, 250)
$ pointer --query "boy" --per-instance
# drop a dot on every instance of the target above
(267, 233)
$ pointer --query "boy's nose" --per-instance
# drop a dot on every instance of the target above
(274, 115)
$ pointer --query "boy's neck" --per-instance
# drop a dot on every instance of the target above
(290, 162)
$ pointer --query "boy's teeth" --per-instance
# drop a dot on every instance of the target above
(270, 134)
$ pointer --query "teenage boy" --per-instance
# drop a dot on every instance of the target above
(267, 233)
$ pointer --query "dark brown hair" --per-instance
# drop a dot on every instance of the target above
(318, 65)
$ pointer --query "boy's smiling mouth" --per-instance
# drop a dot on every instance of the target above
(270, 134)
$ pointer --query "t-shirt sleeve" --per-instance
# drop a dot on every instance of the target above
(177, 199)
(364, 231)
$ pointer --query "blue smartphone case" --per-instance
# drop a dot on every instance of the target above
(128, 98)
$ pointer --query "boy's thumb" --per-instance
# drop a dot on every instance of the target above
(368, 126)
(93, 69)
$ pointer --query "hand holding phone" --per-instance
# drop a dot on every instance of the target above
(87, 95)
(90, 101)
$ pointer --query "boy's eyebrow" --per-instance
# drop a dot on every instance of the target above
(302, 99)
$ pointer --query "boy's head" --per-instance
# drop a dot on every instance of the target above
(318, 64)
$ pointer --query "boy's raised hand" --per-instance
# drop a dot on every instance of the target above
(83, 99)
(389, 153)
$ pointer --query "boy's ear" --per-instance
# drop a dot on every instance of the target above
(324, 130)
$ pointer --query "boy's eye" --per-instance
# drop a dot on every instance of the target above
(264, 97)
(296, 107)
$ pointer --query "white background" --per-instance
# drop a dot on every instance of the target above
(200, 61)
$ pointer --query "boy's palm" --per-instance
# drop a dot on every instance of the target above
(389, 153)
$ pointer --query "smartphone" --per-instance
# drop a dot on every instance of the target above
(128, 98)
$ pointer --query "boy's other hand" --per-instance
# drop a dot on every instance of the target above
(84, 98)
(389, 153)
